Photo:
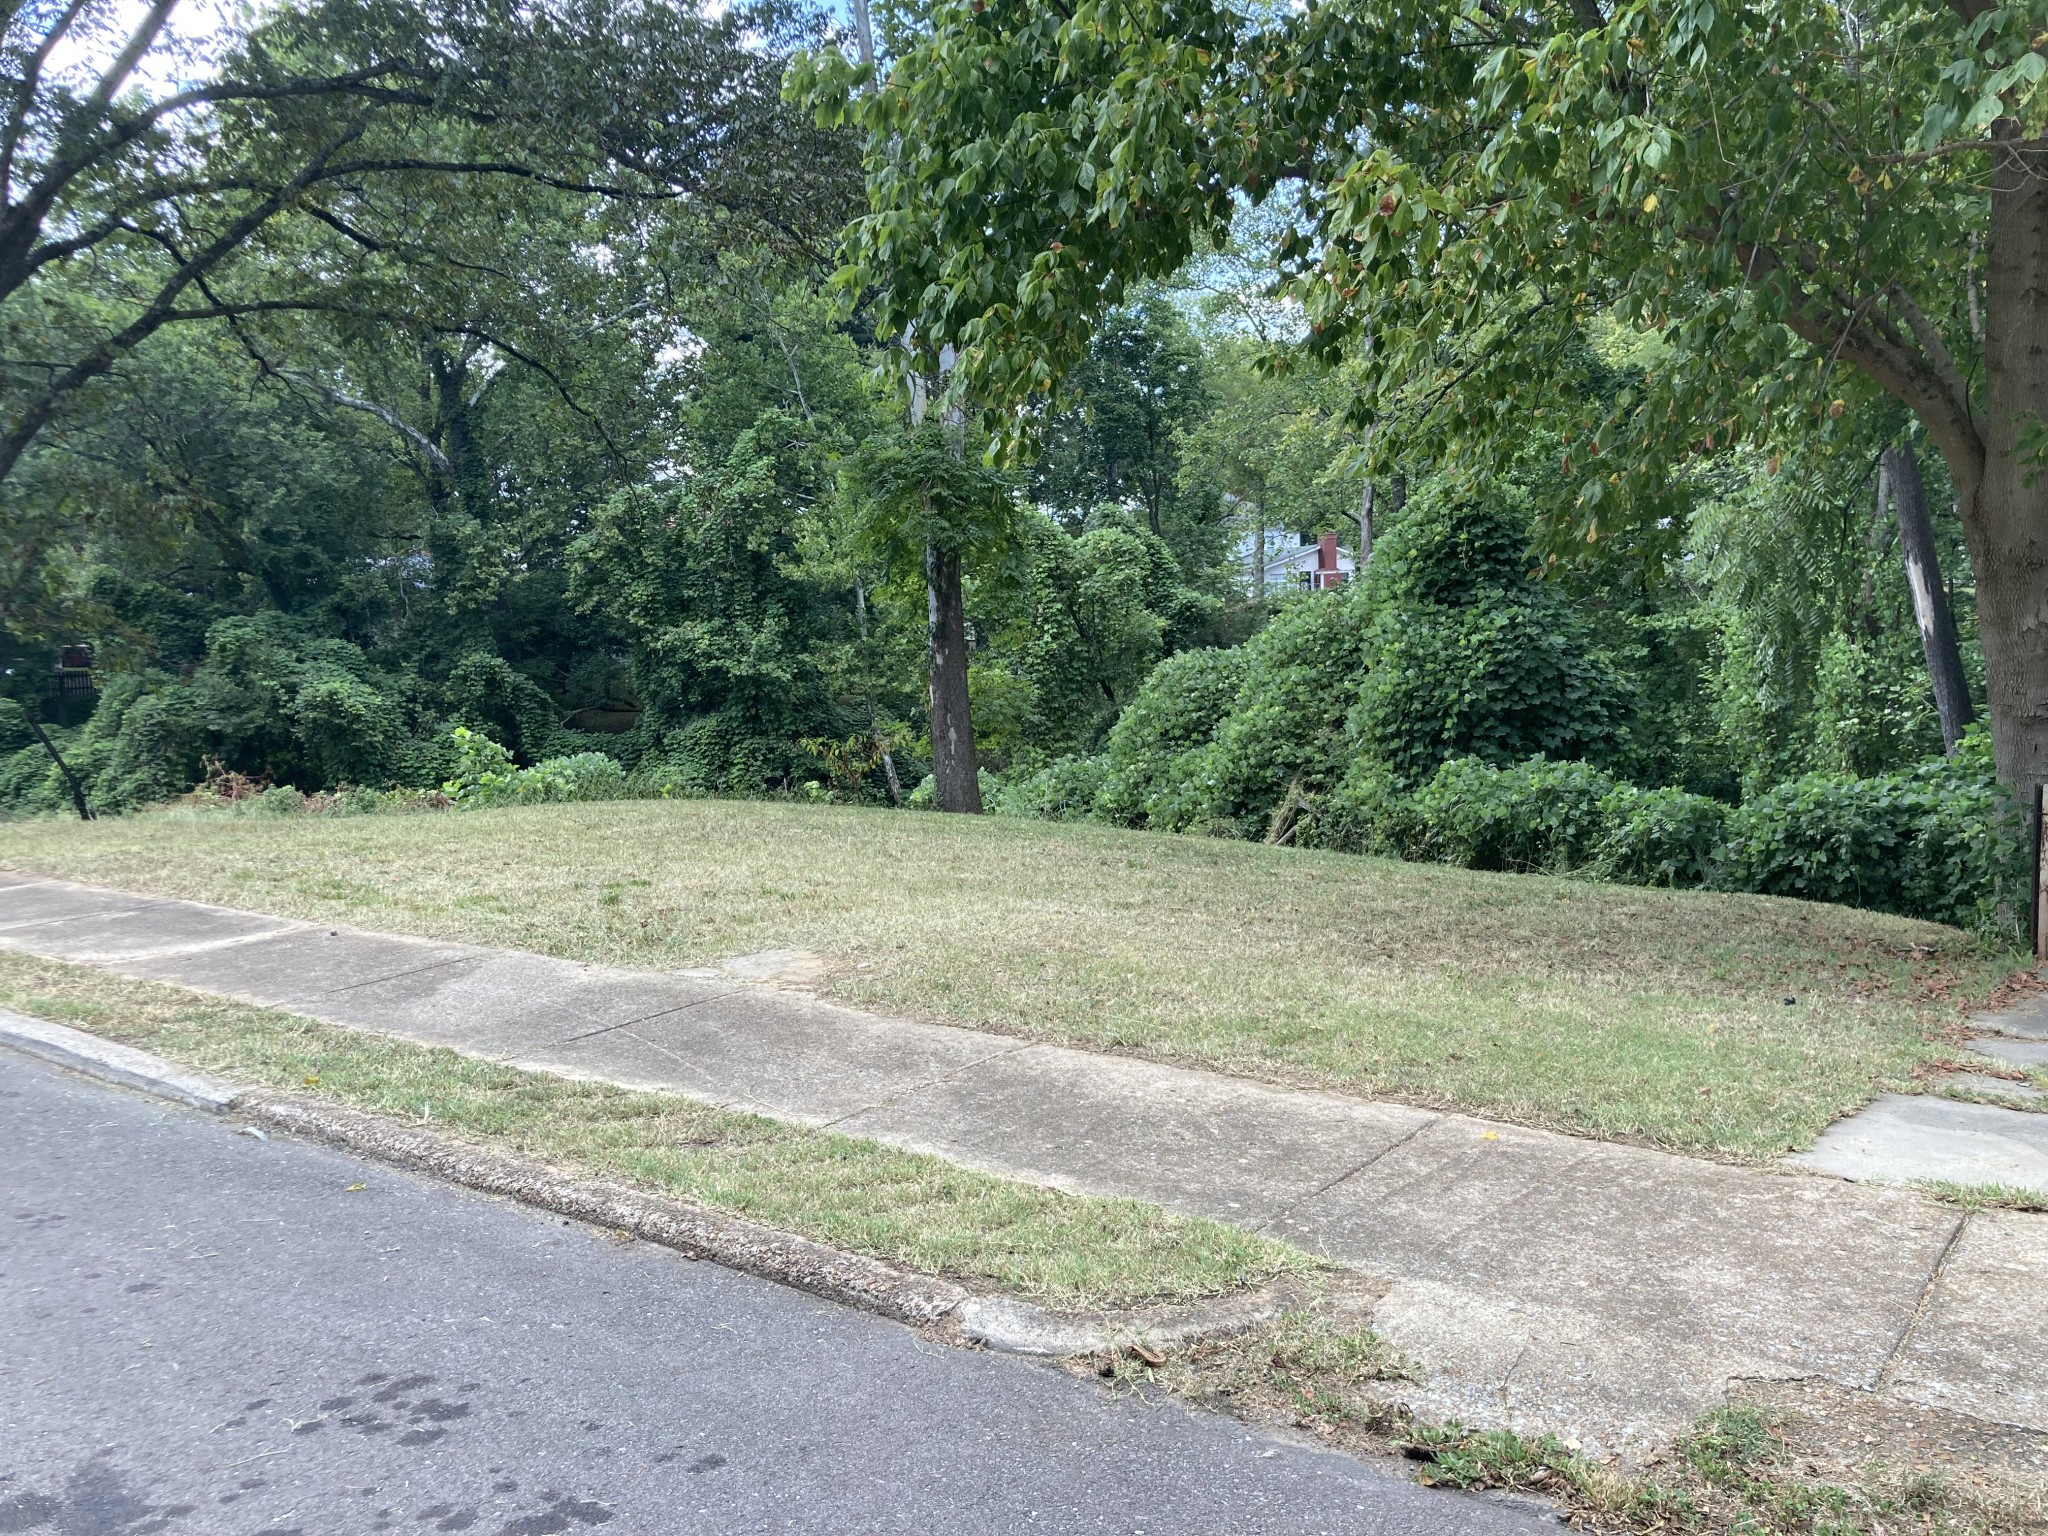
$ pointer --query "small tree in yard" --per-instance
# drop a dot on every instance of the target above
(921, 510)
(1804, 203)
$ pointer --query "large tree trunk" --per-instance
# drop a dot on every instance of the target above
(955, 774)
(1901, 472)
(2004, 518)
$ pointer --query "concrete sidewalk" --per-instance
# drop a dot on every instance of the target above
(1543, 1282)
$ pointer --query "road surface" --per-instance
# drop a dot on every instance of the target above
(206, 1332)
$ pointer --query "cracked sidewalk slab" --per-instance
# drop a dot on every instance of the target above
(1902, 1136)
(1543, 1282)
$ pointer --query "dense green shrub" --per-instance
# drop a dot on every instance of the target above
(484, 775)
(1535, 815)
(725, 753)
(925, 797)
(1660, 836)
(1091, 617)
(487, 693)
(1147, 778)
(1469, 657)
(1063, 790)
(1285, 732)
(1367, 812)
(271, 699)
(1941, 840)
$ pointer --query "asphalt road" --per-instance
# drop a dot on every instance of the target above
(204, 1332)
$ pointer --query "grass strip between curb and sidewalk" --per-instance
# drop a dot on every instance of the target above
(910, 1209)
(1322, 1369)
(1720, 1025)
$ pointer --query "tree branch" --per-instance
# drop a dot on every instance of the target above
(161, 310)
(528, 361)
(397, 423)
(1936, 347)
(1935, 395)
(25, 94)
(21, 219)
(507, 168)
(138, 44)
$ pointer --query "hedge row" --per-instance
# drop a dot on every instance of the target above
(1940, 841)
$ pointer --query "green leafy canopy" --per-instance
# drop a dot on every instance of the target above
(1774, 189)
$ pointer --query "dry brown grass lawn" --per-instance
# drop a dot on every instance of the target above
(1729, 1025)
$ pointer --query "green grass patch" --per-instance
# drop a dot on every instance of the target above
(1736, 1026)
(1983, 1197)
(915, 1210)
(1743, 1471)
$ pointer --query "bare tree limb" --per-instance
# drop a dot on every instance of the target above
(425, 445)
(138, 44)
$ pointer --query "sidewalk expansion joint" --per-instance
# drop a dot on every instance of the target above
(9, 929)
(377, 981)
(208, 946)
(930, 1083)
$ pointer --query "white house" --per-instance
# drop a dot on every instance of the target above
(1292, 560)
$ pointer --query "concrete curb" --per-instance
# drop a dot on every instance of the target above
(998, 1322)
(730, 1241)
(1001, 1323)
(1019, 1328)
(112, 1062)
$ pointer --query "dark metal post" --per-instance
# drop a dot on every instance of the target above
(85, 811)
(2034, 896)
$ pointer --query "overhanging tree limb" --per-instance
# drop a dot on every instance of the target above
(161, 311)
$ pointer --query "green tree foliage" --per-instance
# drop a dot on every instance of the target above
(1095, 611)
(1468, 655)
(413, 383)
(352, 129)
(1801, 583)
(1142, 388)
(1447, 649)
(919, 489)
(1274, 446)
(1807, 207)
(695, 575)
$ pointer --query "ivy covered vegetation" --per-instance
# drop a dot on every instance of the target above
(561, 468)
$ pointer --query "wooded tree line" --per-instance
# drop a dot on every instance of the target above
(447, 364)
